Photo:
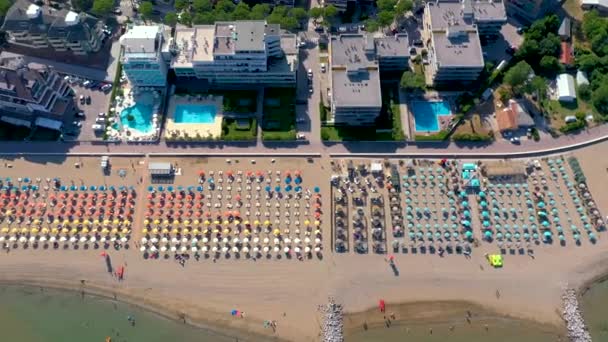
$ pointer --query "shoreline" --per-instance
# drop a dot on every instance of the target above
(100, 291)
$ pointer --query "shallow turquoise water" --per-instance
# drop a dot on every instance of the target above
(29, 314)
(426, 114)
(141, 112)
(186, 113)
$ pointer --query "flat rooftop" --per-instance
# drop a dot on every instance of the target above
(183, 40)
(356, 90)
(446, 13)
(349, 50)
(203, 51)
(395, 46)
(141, 39)
(462, 50)
(289, 44)
(250, 35)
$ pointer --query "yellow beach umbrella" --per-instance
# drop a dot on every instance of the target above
(175, 222)
(267, 223)
(226, 231)
(8, 212)
(5, 230)
(126, 223)
(146, 222)
(166, 222)
(195, 231)
(116, 222)
(156, 221)
(106, 222)
(45, 230)
(76, 221)
(186, 231)
(155, 231)
(64, 230)
(247, 233)
(317, 222)
(105, 231)
(86, 222)
(186, 222)
(307, 222)
(85, 230)
(34, 231)
(226, 222)
(237, 222)
(125, 231)
(256, 223)
(24, 230)
(36, 221)
(164, 231)
(145, 231)
(207, 222)
(216, 222)
(175, 231)
(215, 231)
(96, 221)
(196, 222)
(246, 222)
(54, 231)
(114, 231)
(15, 230)
(66, 221)
(73, 231)
(276, 232)
(206, 231)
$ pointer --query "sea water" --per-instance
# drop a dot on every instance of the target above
(32, 314)
(594, 304)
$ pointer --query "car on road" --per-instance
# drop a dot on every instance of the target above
(418, 42)
(413, 51)
(319, 28)
(88, 100)
(117, 11)
(309, 73)
(302, 44)
(520, 30)
(101, 115)
(515, 140)
(323, 67)
(310, 89)
(510, 50)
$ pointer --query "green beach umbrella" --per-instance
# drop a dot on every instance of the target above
(468, 234)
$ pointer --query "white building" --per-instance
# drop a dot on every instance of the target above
(240, 53)
(142, 57)
(566, 90)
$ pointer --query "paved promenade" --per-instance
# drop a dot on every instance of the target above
(380, 149)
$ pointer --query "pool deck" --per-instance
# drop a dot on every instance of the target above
(174, 129)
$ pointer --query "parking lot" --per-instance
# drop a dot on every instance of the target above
(100, 101)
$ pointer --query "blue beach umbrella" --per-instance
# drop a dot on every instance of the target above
(267, 188)
(170, 188)
(287, 180)
(288, 188)
(317, 189)
(298, 180)
(160, 188)
(298, 188)
(277, 188)
(199, 188)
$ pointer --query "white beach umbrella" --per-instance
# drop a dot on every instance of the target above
(266, 249)
(256, 239)
(194, 249)
(113, 239)
(215, 240)
(205, 248)
(123, 239)
(155, 240)
(153, 248)
(205, 240)
(256, 249)
(297, 240)
(225, 240)
(93, 239)
(214, 249)
(63, 239)
(12, 239)
(317, 240)
(235, 249)
(32, 238)
(307, 249)
(276, 241)
(142, 248)
(297, 249)
(174, 240)
(23, 239)
(163, 240)
(266, 240)
(73, 239)
(245, 249)
(286, 249)
(144, 240)
(184, 240)
(317, 249)
(235, 240)
(287, 240)
(183, 249)
(52, 239)
(103, 239)
(307, 240)
(162, 248)
(276, 249)
(173, 248)
(245, 240)
(194, 240)
(224, 249)
(2, 238)
(83, 239)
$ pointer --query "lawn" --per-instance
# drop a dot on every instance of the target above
(238, 101)
(559, 110)
(351, 133)
(231, 131)
(279, 114)
(471, 125)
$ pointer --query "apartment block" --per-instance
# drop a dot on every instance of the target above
(451, 34)
(240, 53)
(34, 95)
(355, 64)
(142, 56)
(40, 27)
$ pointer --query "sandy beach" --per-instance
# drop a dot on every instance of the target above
(289, 291)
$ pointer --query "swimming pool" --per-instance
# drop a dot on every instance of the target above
(426, 114)
(140, 114)
(186, 113)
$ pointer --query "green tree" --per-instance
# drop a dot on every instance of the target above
(537, 85)
(371, 25)
(205, 18)
(225, 5)
(170, 19)
(259, 12)
(386, 5)
(403, 6)
(181, 5)
(600, 99)
(411, 81)
(330, 12)
(316, 12)
(385, 18)
(588, 62)
(185, 18)
(102, 8)
(79, 5)
(517, 76)
(298, 13)
(202, 6)
(584, 92)
(241, 11)
(551, 66)
(145, 9)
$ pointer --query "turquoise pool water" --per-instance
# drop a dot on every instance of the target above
(141, 113)
(426, 114)
(186, 113)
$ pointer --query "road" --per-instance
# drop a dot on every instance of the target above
(367, 149)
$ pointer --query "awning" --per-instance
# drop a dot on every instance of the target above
(48, 123)
(16, 122)
(160, 168)
(376, 167)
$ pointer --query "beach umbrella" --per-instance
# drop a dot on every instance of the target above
(468, 234)
(487, 234)
(317, 189)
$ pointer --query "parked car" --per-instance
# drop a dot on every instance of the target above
(413, 51)
(300, 120)
(515, 140)
(97, 127)
(510, 50)
(301, 136)
(77, 123)
(88, 100)
(80, 115)
(323, 67)
(87, 84)
(418, 42)
(100, 120)
(101, 115)
(520, 30)
(82, 99)
(106, 87)
(302, 44)
(117, 11)
(309, 73)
